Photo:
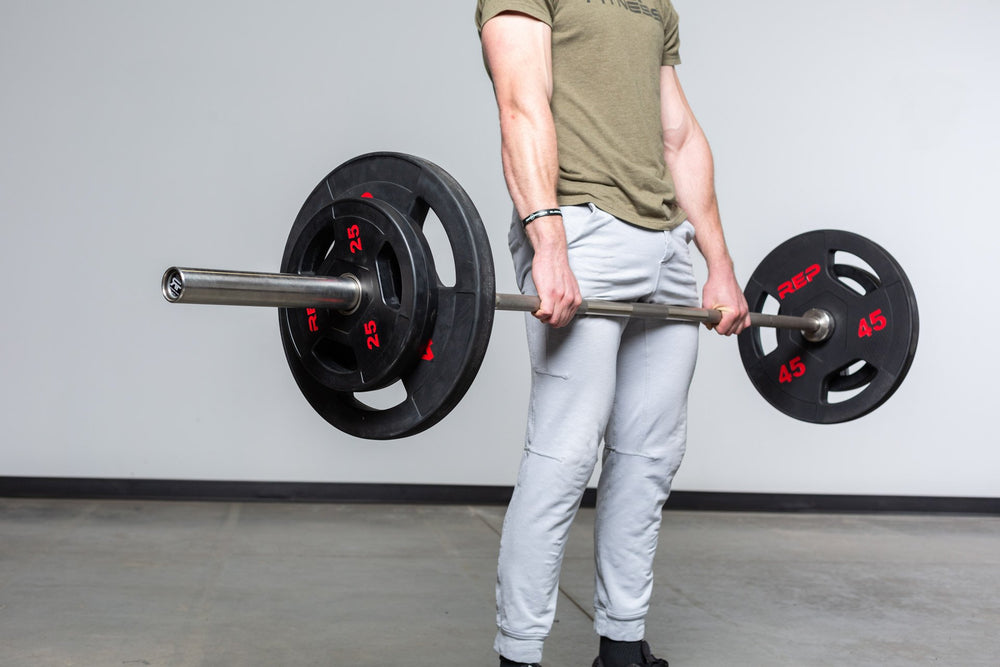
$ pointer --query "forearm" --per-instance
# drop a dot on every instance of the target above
(689, 159)
(530, 165)
(531, 168)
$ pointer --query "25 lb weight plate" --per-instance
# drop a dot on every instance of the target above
(371, 346)
(450, 352)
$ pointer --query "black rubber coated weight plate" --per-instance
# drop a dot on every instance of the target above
(371, 346)
(452, 352)
(875, 333)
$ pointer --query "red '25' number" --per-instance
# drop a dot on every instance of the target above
(371, 329)
(354, 233)
(875, 322)
(793, 369)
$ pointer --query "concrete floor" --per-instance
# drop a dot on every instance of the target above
(180, 583)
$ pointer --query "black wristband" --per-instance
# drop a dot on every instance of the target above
(541, 214)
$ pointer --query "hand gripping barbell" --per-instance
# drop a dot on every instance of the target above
(362, 306)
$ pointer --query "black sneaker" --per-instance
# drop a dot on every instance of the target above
(648, 659)
(504, 662)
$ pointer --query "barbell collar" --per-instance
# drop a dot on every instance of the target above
(273, 290)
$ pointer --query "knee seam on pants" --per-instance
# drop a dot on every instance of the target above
(529, 450)
(635, 454)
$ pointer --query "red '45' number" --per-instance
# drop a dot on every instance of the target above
(793, 369)
(354, 233)
(875, 322)
(372, 330)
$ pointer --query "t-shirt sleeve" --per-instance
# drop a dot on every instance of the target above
(487, 9)
(671, 36)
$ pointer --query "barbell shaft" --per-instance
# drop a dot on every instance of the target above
(288, 290)
(810, 322)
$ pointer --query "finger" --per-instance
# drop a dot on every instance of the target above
(558, 317)
(740, 321)
(741, 318)
(558, 312)
(567, 310)
(730, 322)
(544, 312)
(564, 316)
(721, 327)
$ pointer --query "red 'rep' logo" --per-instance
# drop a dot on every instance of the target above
(798, 281)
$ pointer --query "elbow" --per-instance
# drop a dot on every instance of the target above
(515, 100)
(675, 139)
(523, 111)
(511, 111)
(689, 146)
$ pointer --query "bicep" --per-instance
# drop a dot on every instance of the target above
(518, 52)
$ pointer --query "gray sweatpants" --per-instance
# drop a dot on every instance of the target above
(620, 381)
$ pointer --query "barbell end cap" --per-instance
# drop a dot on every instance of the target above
(825, 325)
(172, 284)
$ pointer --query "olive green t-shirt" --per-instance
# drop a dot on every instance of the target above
(606, 60)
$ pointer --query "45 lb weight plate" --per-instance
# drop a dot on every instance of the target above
(867, 356)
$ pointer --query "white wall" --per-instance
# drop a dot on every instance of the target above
(141, 135)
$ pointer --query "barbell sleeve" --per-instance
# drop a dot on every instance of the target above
(274, 290)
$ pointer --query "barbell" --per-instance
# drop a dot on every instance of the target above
(362, 306)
